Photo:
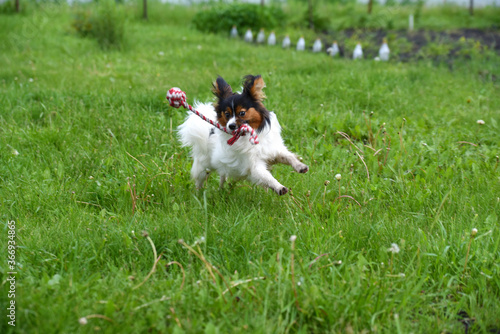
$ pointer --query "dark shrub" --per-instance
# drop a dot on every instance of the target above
(220, 18)
(107, 25)
(321, 22)
(82, 23)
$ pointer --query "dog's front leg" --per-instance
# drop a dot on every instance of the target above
(291, 159)
(261, 176)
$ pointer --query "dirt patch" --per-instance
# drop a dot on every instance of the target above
(418, 44)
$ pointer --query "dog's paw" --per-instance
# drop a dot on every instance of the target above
(302, 168)
(282, 191)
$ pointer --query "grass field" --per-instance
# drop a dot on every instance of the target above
(94, 178)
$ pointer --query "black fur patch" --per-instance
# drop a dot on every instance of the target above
(231, 101)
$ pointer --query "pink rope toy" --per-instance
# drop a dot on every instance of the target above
(177, 98)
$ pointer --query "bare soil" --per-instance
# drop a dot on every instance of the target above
(455, 41)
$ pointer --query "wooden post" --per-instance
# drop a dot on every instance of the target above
(145, 9)
(471, 7)
(17, 6)
(370, 5)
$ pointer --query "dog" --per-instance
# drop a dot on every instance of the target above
(241, 160)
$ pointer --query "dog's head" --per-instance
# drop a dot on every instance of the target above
(233, 109)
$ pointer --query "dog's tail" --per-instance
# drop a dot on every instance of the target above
(195, 132)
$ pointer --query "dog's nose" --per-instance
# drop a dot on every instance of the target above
(232, 126)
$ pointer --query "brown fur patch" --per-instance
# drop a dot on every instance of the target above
(253, 87)
(257, 89)
(252, 117)
(222, 119)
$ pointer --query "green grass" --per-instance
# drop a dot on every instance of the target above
(91, 124)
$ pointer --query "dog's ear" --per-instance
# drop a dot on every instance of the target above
(253, 86)
(221, 89)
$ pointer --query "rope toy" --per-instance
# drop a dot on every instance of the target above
(176, 98)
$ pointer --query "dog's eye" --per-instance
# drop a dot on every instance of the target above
(242, 113)
(227, 115)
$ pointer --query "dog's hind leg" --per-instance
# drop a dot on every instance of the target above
(291, 159)
(200, 173)
(261, 176)
(222, 181)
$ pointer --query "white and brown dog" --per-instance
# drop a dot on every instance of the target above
(242, 160)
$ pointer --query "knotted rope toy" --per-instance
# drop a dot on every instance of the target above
(176, 98)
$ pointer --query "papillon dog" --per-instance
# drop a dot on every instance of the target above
(241, 160)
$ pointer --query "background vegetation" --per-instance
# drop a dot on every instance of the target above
(331, 16)
(106, 24)
(89, 160)
(221, 18)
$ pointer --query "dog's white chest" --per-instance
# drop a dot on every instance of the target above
(236, 160)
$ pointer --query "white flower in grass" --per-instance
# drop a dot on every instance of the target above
(199, 240)
(83, 321)
(13, 150)
(394, 248)
(300, 281)
(338, 177)
(473, 232)
(293, 238)
(402, 275)
(161, 53)
(480, 122)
